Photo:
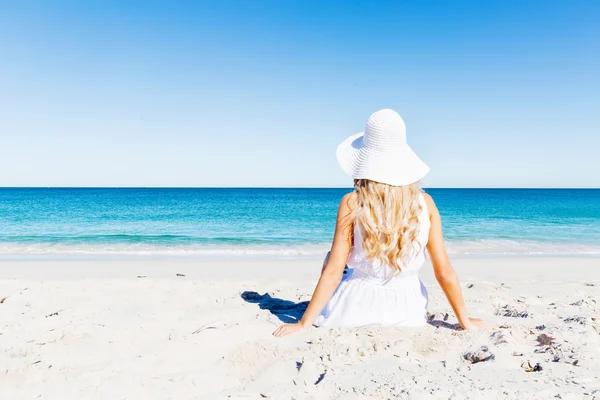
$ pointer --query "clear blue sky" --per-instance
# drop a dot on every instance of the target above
(259, 93)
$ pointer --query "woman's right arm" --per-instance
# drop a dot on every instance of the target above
(444, 273)
(331, 274)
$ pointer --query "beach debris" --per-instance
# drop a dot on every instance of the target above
(481, 355)
(2, 300)
(588, 301)
(547, 344)
(446, 317)
(264, 396)
(180, 274)
(567, 356)
(545, 340)
(504, 326)
(590, 284)
(53, 314)
(299, 364)
(430, 317)
(579, 320)
(508, 311)
(517, 354)
(499, 338)
(470, 285)
(540, 327)
(141, 276)
(321, 377)
(526, 365)
(554, 349)
(203, 328)
(36, 362)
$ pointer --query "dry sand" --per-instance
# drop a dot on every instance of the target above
(95, 330)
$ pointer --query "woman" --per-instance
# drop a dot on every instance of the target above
(382, 230)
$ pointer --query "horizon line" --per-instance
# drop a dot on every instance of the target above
(291, 187)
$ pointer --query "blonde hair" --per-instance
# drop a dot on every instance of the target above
(389, 218)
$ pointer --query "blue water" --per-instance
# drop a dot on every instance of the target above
(280, 221)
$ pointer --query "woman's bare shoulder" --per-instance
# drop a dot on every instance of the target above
(431, 207)
(349, 201)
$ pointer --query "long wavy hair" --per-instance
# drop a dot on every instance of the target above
(389, 218)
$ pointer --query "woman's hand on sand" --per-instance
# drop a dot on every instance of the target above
(475, 323)
(288, 329)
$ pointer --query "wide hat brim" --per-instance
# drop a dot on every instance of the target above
(397, 166)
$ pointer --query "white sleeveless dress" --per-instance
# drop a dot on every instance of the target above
(373, 295)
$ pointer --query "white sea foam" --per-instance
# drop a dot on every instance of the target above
(470, 247)
(523, 247)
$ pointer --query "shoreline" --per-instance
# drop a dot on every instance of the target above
(123, 257)
(478, 267)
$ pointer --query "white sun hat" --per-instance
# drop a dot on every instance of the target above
(381, 153)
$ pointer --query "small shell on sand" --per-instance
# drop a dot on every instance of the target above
(526, 365)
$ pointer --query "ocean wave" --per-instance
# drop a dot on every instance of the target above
(44, 249)
(125, 238)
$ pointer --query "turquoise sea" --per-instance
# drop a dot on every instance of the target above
(278, 222)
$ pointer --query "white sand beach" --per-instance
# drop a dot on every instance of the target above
(134, 329)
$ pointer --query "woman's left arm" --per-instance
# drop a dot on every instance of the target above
(332, 273)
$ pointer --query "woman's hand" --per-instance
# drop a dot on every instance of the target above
(288, 329)
(474, 323)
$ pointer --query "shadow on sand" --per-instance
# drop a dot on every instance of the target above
(287, 311)
(443, 324)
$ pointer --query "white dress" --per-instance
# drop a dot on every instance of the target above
(373, 295)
